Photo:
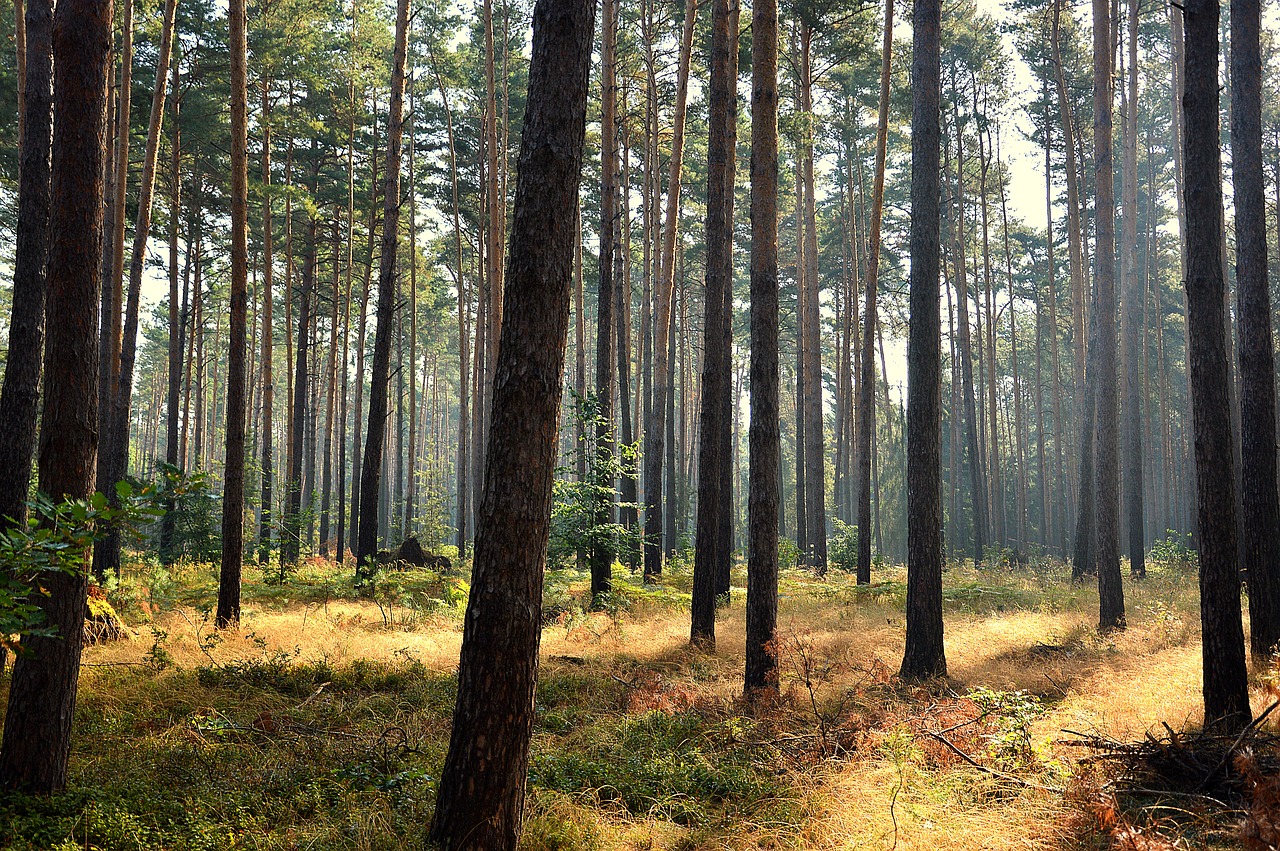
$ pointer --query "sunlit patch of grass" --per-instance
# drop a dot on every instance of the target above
(322, 722)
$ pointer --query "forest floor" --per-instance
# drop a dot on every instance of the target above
(323, 723)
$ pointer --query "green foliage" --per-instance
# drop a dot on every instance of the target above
(666, 765)
(842, 550)
(1175, 552)
(197, 515)
(57, 538)
(788, 554)
(1014, 711)
(579, 504)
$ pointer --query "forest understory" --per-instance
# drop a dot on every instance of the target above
(323, 722)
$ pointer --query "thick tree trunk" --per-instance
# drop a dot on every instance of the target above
(1259, 502)
(1226, 688)
(375, 438)
(481, 800)
(20, 396)
(924, 656)
(765, 440)
(42, 693)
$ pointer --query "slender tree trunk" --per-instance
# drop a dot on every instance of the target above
(371, 468)
(1106, 547)
(268, 341)
(233, 482)
(178, 321)
(765, 438)
(291, 544)
(356, 471)
(866, 416)
(42, 693)
(481, 798)
(656, 435)
(1132, 318)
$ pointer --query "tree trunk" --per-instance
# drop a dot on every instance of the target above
(1132, 320)
(233, 482)
(268, 341)
(481, 799)
(1259, 503)
(765, 440)
(711, 553)
(20, 396)
(375, 438)
(42, 693)
(1226, 688)
(866, 412)
(178, 321)
(1106, 474)
(924, 656)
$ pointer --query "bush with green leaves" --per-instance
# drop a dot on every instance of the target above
(842, 549)
(576, 504)
(197, 515)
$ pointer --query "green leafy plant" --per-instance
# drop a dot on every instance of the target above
(842, 549)
(575, 515)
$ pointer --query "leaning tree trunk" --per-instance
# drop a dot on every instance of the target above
(481, 800)
(42, 693)
(1226, 686)
(765, 439)
(375, 437)
(1259, 502)
(924, 656)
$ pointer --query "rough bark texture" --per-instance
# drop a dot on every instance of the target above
(233, 480)
(711, 549)
(1226, 687)
(19, 398)
(1133, 316)
(1106, 531)
(765, 442)
(375, 435)
(1259, 501)
(924, 656)
(481, 798)
(42, 694)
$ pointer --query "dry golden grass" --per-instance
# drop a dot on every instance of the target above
(883, 786)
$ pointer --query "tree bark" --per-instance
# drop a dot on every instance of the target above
(711, 551)
(375, 437)
(1132, 319)
(764, 437)
(42, 693)
(1259, 502)
(481, 799)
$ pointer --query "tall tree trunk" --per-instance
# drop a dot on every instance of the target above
(20, 396)
(712, 550)
(1106, 547)
(765, 439)
(1132, 319)
(1259, 503)
(815, 463)
(481, 798)
(178, 321)
(371, 468)
(866, 412)
(42, 693)
(233, 481)
(656, 435)
(1226, 688)
(924, 656)
(291, 544)
(268, 341)
(602, 555)
(356, 472)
